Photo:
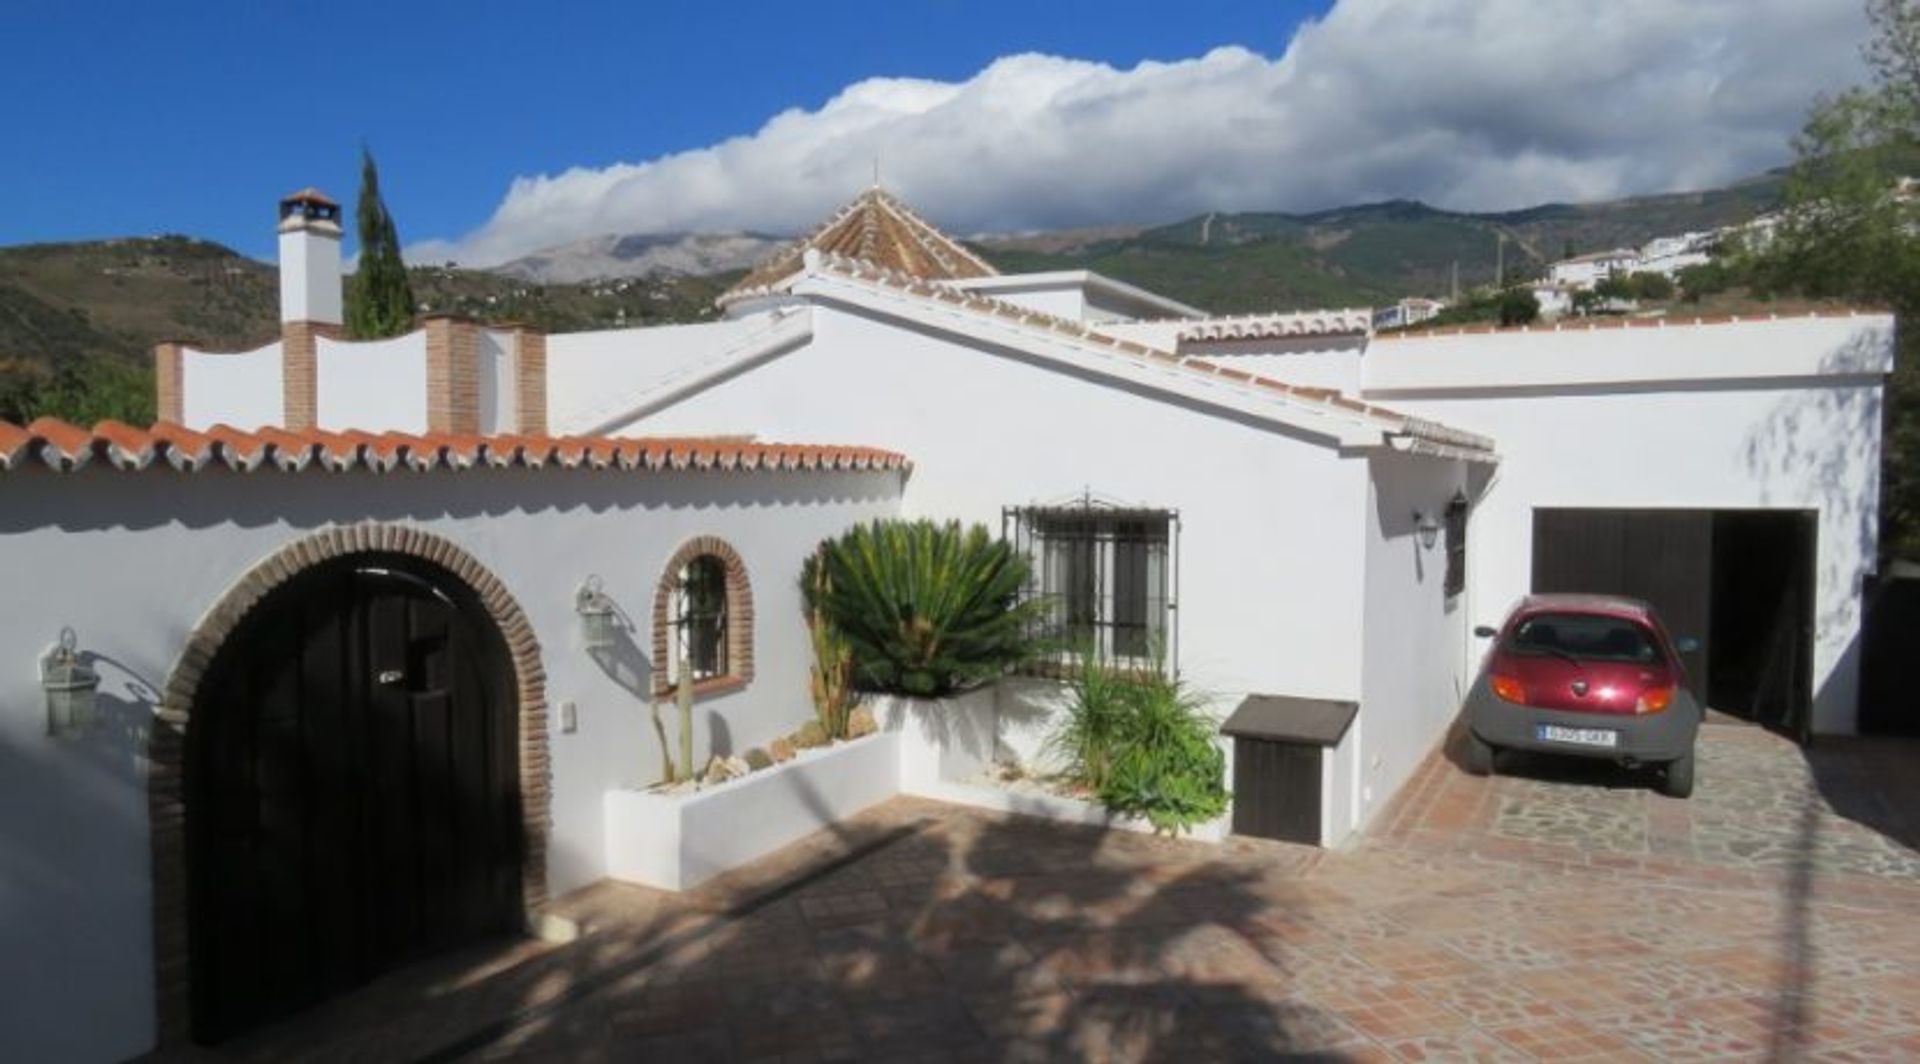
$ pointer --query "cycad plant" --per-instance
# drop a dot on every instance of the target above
(927, 609)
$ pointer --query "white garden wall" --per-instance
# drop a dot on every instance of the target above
(132, 561)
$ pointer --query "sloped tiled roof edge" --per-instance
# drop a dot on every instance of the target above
(1317, 401)
(777, 272)
(66, 447)
(1352, 321)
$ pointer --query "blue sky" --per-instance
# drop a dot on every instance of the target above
(134, 118)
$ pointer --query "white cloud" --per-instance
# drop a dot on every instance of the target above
(1468, 104)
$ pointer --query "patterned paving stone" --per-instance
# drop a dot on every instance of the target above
(1537, 915)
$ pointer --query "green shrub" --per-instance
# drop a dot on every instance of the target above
(926, 609)
(1143, 743)
(1085, 738)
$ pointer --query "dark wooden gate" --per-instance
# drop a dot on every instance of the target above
(352, 790)
(1663, 557)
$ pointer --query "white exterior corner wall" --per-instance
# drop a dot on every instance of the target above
(1268, 601)
(1752, 415)
(241, 389)
(159, 548)
(372, 386)
(1414, 644)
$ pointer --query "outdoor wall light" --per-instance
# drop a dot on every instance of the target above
(70, 688)
(1428, 526)
(599, 625)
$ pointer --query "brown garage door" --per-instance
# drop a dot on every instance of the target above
(352, 790)
(1739, 581)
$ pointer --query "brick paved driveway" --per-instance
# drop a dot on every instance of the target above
(1537, 915)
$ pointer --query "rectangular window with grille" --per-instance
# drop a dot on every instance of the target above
(1456, 546)
(1109, 575)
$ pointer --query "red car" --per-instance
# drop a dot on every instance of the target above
(1586, 675)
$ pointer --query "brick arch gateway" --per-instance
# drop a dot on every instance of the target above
(185, 688)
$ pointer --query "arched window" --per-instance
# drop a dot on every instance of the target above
(703, 616)
(699, 618)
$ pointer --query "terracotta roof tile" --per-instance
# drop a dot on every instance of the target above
(875, 228)
(66, 447)
(1278, 326)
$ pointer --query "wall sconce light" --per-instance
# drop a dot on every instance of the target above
(599, 625)
(70, 688)
(1428, 526)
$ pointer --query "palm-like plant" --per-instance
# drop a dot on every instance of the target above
(927, 609)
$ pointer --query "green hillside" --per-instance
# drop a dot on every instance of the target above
(1371, 254)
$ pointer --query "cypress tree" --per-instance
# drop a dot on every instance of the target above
(379, 298)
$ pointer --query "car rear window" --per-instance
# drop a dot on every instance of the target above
(1583, 635)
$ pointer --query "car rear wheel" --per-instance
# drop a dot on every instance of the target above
(1479, 755)
(1677, 780)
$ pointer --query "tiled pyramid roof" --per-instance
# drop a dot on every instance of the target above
(875, 228)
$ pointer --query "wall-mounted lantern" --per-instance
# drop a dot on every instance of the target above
(70, 688)
(1428, 526)
(599, 624)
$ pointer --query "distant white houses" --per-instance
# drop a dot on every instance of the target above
(1585, 271)
(1411, 311)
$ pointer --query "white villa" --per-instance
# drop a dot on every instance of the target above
(1294, 507)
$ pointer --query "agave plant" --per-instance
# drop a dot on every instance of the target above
(927, 609)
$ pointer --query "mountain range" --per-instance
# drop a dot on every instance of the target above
(116, 298)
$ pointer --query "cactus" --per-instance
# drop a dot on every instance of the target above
(830, 678)
(810, 735)
(683, 695)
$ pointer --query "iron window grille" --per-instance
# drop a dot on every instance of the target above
(1456, 528)
(1110, 575)
(700, 617)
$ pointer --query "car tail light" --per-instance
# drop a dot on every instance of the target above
(1654, 700)
(1509, 689)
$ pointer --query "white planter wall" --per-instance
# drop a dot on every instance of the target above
(679, 841)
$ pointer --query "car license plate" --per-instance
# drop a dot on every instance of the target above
(1554, 733)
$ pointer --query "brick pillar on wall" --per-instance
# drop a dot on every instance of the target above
(300, 371)
(453, 374)
(530, 380)
(169, 372)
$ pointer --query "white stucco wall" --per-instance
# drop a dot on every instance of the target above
(132, 561)
(241, 389)
(594, 376)
(1755, 415)
(310, 288)
(1270, 565)
(373, 386)
(496, 353)
(1412, 684)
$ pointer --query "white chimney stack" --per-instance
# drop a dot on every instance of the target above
(310, 259)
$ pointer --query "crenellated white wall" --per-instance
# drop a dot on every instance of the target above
(373, 385)
(240, 389)
(497, 354)
(159, 548)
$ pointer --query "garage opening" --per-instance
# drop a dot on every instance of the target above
(1739, 581)
(352, 791)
